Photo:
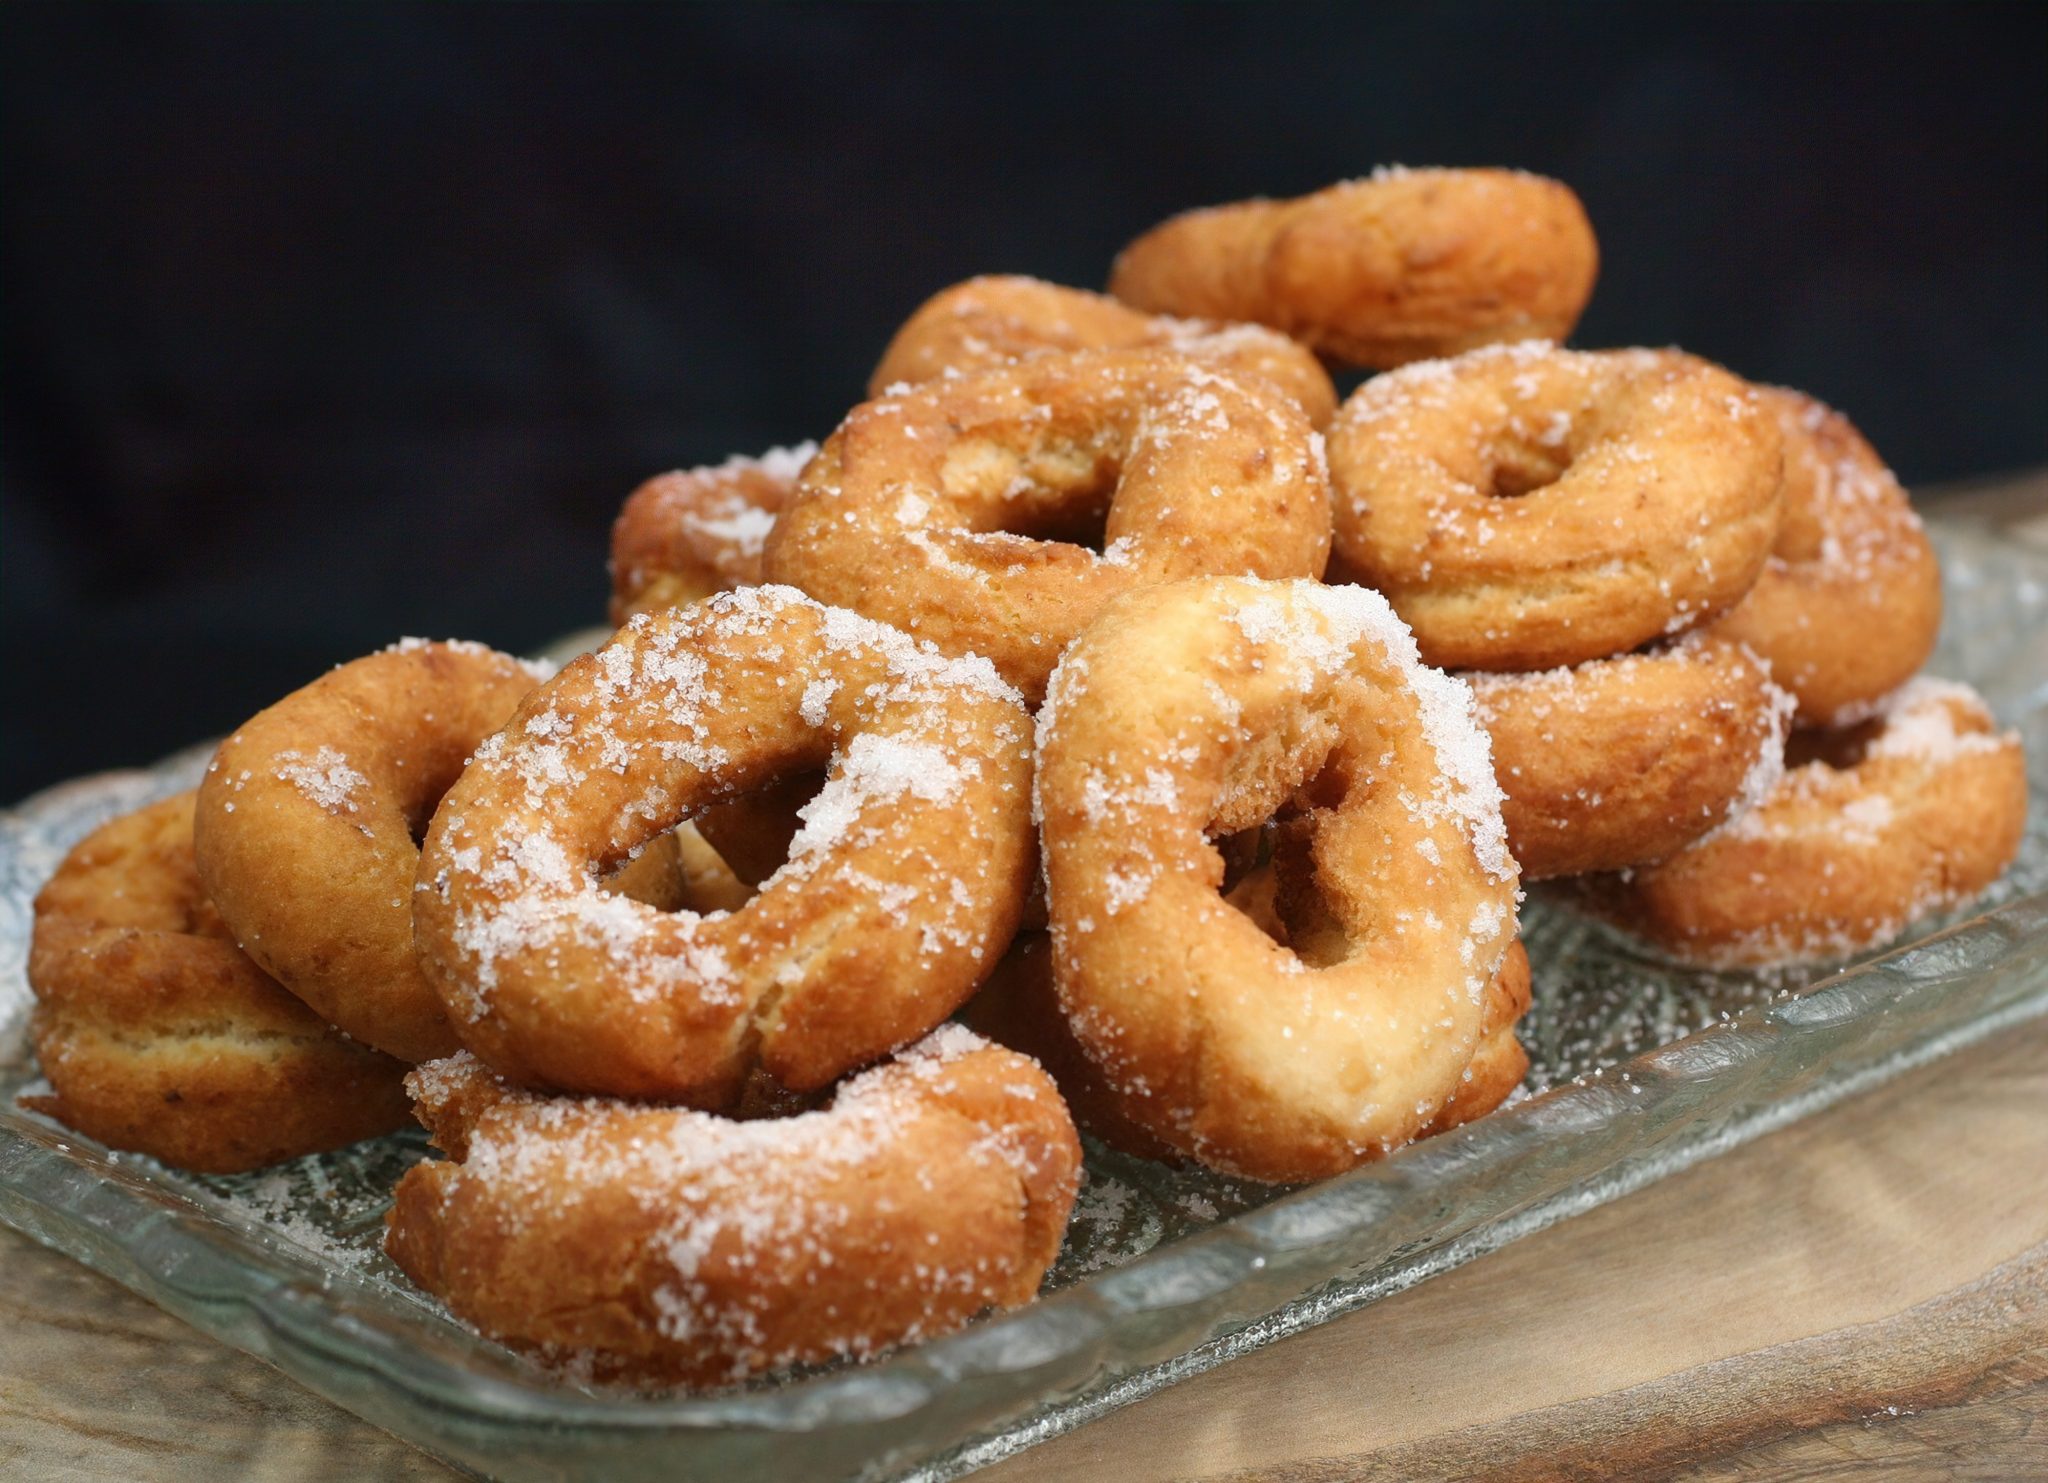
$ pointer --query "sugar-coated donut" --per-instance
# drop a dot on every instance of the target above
(1915, 810)
(685, 535)
(993, 320)
(954, 510)
(1019, 1007)
(308, 819)
(1198, 709)
(902, 887)
(1617, 762)
(1524, 506)
(667, 1246)
(1849, 602)
(159, 1035)
(1400, 266)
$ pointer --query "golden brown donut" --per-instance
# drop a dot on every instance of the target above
(1525, 507)
(308, 820)
(954, 510)
(159, 1035)
(1621, 761)
(1914, 811)
(900, 890)
(994, 320)
(1019, 1007)
(1849, 602)
(1400, 266)
(1198, 709)
(685, 535)
(667, 1246)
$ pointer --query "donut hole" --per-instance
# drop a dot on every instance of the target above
(422, 774)
(1840, 750)
(1297, 775)
(752, 832)
(717, 859)
(1310, 769)
(1804, 496)
(1801, 536)
(1519, 466)
(679, 871)
(1243, 852)
(1082, 524)
(418, 820)
(203, 919)
(1249, 885)
(1314, 934)
(1055, 491)
(652, 875)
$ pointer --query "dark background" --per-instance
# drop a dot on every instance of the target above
(319, 327)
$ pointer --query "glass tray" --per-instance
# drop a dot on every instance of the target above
(1639, 1070)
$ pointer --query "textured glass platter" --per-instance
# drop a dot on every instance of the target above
(1638, 1071)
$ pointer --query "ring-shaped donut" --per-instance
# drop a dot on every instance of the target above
(1525, 507)
(996, 319)
(159, 1035)
(903, 885)
(308, 819)
(666, 1246)
(685, 535)
(1848, 604)
(1914, 811)
(1198, 709)
(1400, 266)
(953, 510)
(1617, 762)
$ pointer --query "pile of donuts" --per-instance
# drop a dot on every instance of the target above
(1103, 726)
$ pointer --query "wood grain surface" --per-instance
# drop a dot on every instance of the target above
(1864, 1293)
